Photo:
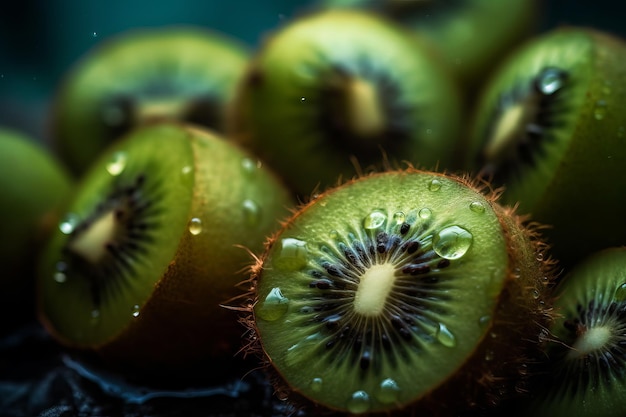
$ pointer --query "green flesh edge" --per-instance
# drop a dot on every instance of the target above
(164, 155)
(470, 284)
(600, 278)
(162, 70)
(299, 60)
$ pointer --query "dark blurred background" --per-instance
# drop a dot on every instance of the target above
(40, 39)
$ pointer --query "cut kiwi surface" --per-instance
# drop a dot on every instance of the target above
(340, 87)
(550, 129)
(401, 289)
(587, 349)
(148, 248)
(182, 73)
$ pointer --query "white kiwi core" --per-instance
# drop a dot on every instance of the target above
(595, 338)
(374, 287)
(91, 243)
(365, 115)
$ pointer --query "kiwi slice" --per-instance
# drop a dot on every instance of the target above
(152, 243)
(176, 72)
(401, 289)
(550, 129)
(469, 34)
(34, 187)
(587, 348)
(335, 87)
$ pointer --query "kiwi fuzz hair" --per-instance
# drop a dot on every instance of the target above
(500, 362)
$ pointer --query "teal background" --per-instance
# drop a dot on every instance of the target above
(41, 39)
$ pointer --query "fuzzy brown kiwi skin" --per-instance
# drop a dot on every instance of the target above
(501, 368)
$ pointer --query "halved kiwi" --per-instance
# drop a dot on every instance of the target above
(471, 35)
(586, 352)
(403, 289)
(335, 87)
(34, 187)
(550, 128)
(153, 241)
(182, 73)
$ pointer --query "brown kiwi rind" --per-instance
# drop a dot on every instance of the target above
(495, 369)
(144, 292)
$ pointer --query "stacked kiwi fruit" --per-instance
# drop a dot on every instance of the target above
(384, 230)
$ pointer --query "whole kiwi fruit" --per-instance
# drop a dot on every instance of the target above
(178, 72)
(398, 290)
(34, 187)
(151, 244)
(586, 350)
(550, 129)
(334, 92)
(470, 35)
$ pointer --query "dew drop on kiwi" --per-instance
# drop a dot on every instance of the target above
(359, 402)
(274, 306)
(452, 242)
(195, 226)
(293, 255)
(69, 223)
(117, 164)
(388, 391)
(251, 212)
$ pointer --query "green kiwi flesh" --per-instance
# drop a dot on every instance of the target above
(587, 349)
(335, 87)
(179, 73)
(400, 288)
(148, 248)
(549, 129)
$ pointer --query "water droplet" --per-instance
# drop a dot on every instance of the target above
(186, 170)
(195, 226)
(333, 234)
(388, 391)
(434, 185)
(425, 213)
(376, 219)
(477, 207)
(292, 254)
(452, 242)
(399, 217)
(445, 336)
(68, 224)
(484, 320)
(94, 35)
(316, 384)
(550, 80)
(249, 166)
(274, 306)
(117, 164)
(600, 111)
(302, 98)
(251, 212)
(60, 277)
(303, 350)
(359, 402)
(135, 310)
(620, 293)
(536, 294)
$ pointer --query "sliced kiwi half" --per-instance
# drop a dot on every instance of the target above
(550, 129)
(587, 349)
(471, 35)
(152, 243)
(175, 72)
(334, 91)
(403, 289)
(34, 187)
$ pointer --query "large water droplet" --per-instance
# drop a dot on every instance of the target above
(292, 255)
(399, 217)
(620, 293)
(186, 170)
(388, 391)
(316, 384)
(359, 402)
(445, 336)
(477, 207)
(452, 242)
(135, 310)
(68, 224)
(195, 226)
(274, 306)
(434, 185)
(376, 219)
(425, 213)
(117, 164)
(550, 80)
(251, 212)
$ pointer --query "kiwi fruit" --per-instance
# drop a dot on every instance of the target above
(335, 92)
(550, 129)
(182, 73)
(34, 186)
(586, 351)
(151, 244)
(403, 289)
(470, 35)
